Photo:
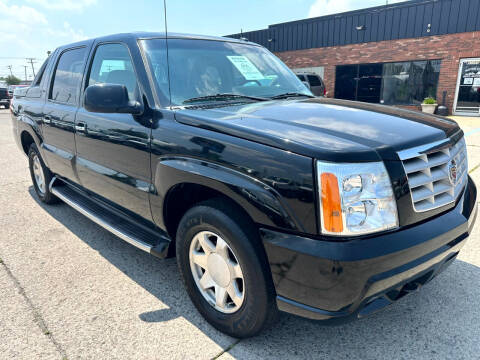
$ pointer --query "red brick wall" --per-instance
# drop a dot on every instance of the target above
(449, 48)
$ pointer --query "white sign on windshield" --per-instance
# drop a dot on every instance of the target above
(246, 67)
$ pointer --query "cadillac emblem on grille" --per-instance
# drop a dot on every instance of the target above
(436, 172)
(452, 171)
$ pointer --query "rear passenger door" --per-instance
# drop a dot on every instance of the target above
(113, 150)
(59, 111)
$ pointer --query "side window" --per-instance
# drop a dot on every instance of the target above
(68, 76)
(314, 80)
(112, 64)
(34, 90)
(301, 77)
(39, 77)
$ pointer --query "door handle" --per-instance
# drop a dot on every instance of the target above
(47, 119)
(80, 127)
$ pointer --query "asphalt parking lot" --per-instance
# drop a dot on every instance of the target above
(69, 289)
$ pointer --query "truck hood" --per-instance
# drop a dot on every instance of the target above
(326, 129)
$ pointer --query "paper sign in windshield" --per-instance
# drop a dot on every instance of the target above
(246, 67)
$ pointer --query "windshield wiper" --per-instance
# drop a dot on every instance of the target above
(223, 96)
(290, 94)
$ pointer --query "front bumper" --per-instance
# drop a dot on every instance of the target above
(343, 280)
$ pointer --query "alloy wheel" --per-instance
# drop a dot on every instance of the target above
(38, 174)
(217, 272)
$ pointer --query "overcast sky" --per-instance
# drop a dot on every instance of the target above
(29, 28)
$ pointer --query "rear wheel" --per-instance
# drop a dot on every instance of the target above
(41, 176)
(225, 269)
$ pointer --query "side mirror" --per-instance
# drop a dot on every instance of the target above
(307, 84)
(110, 98)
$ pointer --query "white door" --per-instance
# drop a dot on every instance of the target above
(467, 94)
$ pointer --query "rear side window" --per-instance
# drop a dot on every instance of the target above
(314, 80)
(112, 64)
(68, 76)
(39, 77)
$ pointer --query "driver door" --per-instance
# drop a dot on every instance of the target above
(113, 150)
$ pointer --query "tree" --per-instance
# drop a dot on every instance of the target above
(12, 80)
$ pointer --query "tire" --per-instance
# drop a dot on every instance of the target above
(41, 176)
(258, 308)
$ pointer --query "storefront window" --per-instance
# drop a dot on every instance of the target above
(396, 79)
(403, 83)
(409, 82)
(369, 83)
(346, 82)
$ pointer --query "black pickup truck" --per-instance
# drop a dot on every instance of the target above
(211, 150)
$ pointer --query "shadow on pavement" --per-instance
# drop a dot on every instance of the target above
(442, 320)
(159, 277)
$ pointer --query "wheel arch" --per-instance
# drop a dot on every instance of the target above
(180, 183)
(26, 140)
(183, 196)
(28, 132)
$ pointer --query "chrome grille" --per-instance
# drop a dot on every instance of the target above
(429, 172)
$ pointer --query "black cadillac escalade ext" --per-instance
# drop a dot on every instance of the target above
(213, 151)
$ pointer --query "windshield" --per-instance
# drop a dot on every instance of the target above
(200, 68)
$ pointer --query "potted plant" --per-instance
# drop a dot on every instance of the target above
(429, 105)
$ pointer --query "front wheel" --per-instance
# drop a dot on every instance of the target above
(225, 270)
(41, 176)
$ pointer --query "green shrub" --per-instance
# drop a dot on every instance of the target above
(429, 100)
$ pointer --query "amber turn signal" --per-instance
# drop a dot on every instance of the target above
(331, 206)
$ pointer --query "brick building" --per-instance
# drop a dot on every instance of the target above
(395, 54)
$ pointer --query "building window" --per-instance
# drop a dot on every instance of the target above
(409, 82)
(400, 83)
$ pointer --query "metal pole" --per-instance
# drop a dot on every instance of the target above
(30, 60)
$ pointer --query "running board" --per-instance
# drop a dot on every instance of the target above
(137, 235)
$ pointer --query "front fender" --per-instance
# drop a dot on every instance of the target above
(263, 203)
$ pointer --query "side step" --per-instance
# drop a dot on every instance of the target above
(135, 234)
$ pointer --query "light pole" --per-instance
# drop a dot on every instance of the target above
(25, 67)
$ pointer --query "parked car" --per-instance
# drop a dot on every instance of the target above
(12, 88)
(315, 83)
(270, 199)
(4, 97)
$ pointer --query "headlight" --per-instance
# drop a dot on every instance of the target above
(355, 198)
